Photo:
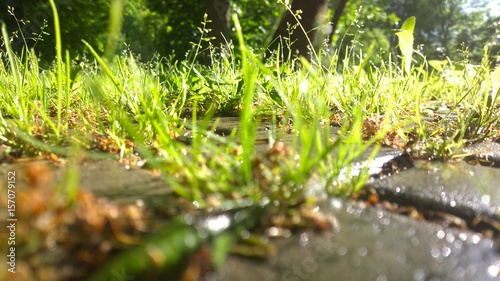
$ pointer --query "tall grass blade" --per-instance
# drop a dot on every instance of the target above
(405, 37)
(115, 26)
(248, 128)
(104, 66)
(59, 60)
(12, 57)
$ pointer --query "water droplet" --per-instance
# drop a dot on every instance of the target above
(357, 212)
(398, 189)
(415, 241)
(446, 252)
(458, 244)
(476, 238)
(453, 203)
(471, 270)
(450, 237)
(362, 251)
(487, 243)
(336, 228)
(139, 203)
(264, 201)
(376, 228)
(304, 239)
(245, 234)
(380, 214)
(217, 223)
(485, 199)
(273, 231)
(419, 275)
(336, 203)
(411, 231)
(444, 197)
(440, 234)
(463, 236)
(435, 253)
(342, 250)
(381, 278)
(493, 270)
(385, 221)
(190, 241)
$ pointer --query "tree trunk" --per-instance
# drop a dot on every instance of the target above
(218, 12)
(339, 10)
(296, 41)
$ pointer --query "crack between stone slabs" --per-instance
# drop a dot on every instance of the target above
(403, 204)
(481, 221)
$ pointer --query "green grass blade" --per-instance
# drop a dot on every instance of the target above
(104, 66)
(59, 66)
(405, 37)
(12, 58)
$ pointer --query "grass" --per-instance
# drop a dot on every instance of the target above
(126, 109)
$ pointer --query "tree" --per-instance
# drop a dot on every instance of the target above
(161, 27)
(338, 12)
(218, 12)
(488, 34)
(79, 20)
(440, 22)
(454, 29)
(297, 31)
(165, 27)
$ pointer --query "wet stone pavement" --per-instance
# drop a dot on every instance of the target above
(429, 221)
(373, 244)
(432, 221)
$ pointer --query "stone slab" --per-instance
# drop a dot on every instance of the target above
(372, 244)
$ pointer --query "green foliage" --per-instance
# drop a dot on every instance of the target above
(457, 29)
(441, 22)
(406, 43)
(486, 34)
(173, 243)
(258, 20)
(78, 20)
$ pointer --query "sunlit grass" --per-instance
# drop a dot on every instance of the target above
(152, 104)
(162, 113)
